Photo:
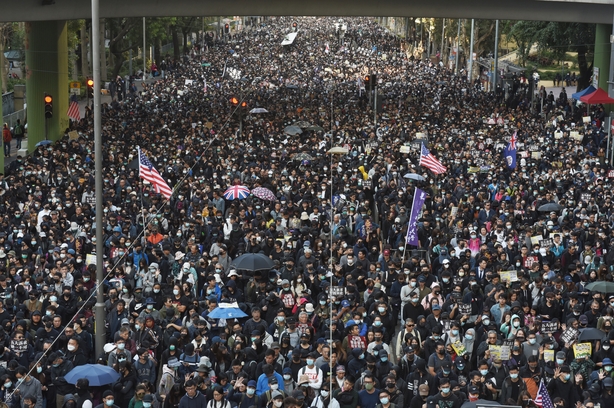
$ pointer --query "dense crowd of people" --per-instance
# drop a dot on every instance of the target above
(350, 316)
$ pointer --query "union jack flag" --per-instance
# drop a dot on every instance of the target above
(513, 141)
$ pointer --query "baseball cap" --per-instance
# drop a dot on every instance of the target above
(423, 390)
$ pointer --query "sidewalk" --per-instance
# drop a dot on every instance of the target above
(82, 104)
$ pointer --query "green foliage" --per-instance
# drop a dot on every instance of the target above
(11, 82)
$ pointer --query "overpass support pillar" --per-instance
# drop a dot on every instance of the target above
(46, 72)
(603, 53)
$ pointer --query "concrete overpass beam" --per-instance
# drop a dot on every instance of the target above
(46, 72)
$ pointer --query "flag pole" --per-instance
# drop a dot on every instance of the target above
(405, 240)
(138, 151)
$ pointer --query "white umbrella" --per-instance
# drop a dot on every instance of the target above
(338, 150)
(414, 176)
(259, 110)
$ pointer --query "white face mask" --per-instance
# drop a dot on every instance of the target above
(278, 403)
(274, 386)
(70, 347)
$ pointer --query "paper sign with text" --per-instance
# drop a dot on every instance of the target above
(581, 350)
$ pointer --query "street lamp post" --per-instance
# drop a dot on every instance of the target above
(337, 150)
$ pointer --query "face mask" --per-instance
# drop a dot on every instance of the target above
(8, 385)
(324, 393)
(156, 290)
(445, 390)
(369, 386)
(287, 377)
(608, 368)
(110, 403)
(514, 376)
(121, 346)
(384, 359)
(412, 284)
(137, 327)
(70, 347)
(278, 403)
(121, 359)
(486, 322)
(516, 324)
(606, 347)
(377, 323)
(309, 361)
(175, 292)
(532, 341)
(381, 309)
(149, 307)
(53, 298)
(39, 369)
(146, 404)
(484, 372)
(171, 347)
(567, 377)
(384, 401)
(454, 332)
(274, 386)
(361, 357)
(251, 391)
(468, 337)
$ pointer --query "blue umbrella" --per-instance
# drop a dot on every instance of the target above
(97, 374)
(227, 313)
(44, 143)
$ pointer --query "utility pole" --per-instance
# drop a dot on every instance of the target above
(458, 47)
(443, 40)
(470, 74)
(144, 52)
(99, 307)
(496, 67)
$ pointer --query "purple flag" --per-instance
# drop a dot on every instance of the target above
(412, 227)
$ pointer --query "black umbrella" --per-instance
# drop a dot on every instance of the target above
(253, 262)
(550, 207)
(480, 402)
(134, 164)
(589, 334)
(601, 286)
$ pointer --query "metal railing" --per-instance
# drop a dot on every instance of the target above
(11, 118)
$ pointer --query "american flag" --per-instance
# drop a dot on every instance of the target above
(148, 172)
(73, 111)
(513, 141)
(430, 162)
(543, 398)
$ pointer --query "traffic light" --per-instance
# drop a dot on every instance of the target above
(368, 83)
(48, 106)
(373, 81)
(294, 26)
(90, 88)
(244, 106)
(227, 28)
(234, 101)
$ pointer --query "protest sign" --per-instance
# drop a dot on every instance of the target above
(545, 243)
(549, 327)
(508, 276)
(404, 149)
(548, 355)
(459, 348)
(535, 239)
(569, 335)
(582, 350)
(90, 259)
(499, 352)
(464, 309)
(19, 346)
